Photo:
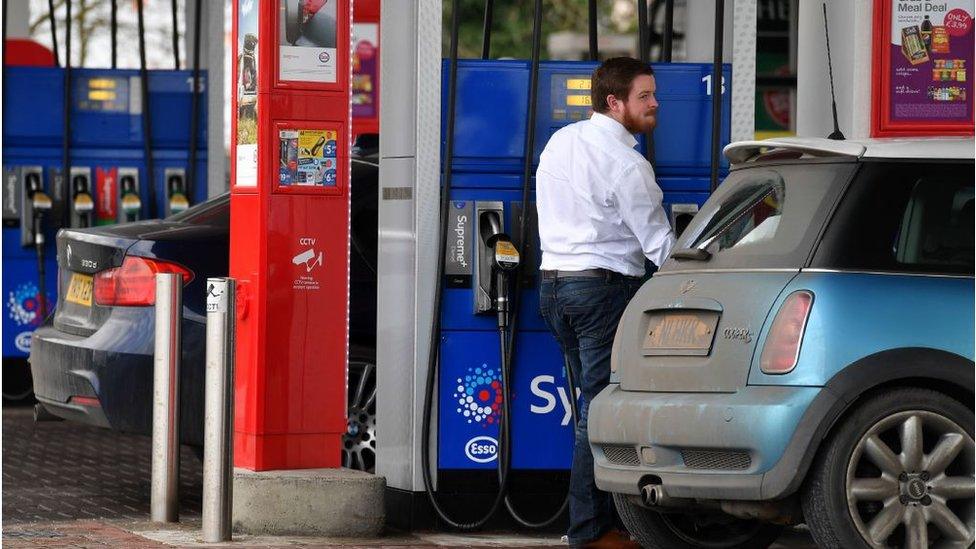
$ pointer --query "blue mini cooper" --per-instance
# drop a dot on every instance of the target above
(804, 356)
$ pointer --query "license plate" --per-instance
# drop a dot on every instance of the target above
(686, 332)
(80, 289)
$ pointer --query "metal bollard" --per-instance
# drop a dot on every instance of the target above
(219, 411)
(164, 496)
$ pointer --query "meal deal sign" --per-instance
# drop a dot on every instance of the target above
(923, 52)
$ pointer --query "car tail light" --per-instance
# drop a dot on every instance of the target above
(782, 347)
(134, 283)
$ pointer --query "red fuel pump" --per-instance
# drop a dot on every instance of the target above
(290, 176)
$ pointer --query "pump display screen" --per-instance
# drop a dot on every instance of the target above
(578, 84)
(570, 98)
(578, 101)
(102, 94)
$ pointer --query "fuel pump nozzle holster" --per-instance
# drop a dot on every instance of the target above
(82, 202)
(505, 259)
(40, 206)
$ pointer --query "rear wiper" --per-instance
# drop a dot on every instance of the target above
(693, 254)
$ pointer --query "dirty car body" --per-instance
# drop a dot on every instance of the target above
(820, 281)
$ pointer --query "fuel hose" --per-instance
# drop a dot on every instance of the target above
(146, 118)
(433, 356)
(66, 117)
(505, 444)
(191, 173)
(486, 29)
(54, 32)
(114, 26)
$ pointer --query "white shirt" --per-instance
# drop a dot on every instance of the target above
(598, 202)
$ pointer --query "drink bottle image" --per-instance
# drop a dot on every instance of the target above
(926, 32)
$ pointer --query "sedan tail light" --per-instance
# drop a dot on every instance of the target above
(134, 283)
(782, 349)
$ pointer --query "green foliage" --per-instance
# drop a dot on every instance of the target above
(512, 28)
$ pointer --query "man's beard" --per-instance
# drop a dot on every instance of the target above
(639, 124)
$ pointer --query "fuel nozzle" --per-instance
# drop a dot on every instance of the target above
(40, 205)
(505, 259)
(130, 201)
(82, 203)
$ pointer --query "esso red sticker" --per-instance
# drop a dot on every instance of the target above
(958, 22)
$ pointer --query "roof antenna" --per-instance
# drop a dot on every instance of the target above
(836, 134)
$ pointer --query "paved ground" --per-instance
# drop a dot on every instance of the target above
(67, 485)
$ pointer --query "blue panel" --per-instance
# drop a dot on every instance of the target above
(106, 132)
(35, 99)
(20, 291)
(491, 109)
(541, 420)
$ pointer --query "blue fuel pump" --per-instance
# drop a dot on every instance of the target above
(486, 167)
(76, 135)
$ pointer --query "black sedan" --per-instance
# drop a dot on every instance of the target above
(92, 360)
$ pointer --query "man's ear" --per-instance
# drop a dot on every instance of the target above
(612, 102)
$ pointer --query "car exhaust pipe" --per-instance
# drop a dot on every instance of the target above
(41, 414)
(652, 494)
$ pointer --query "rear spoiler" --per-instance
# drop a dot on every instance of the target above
(744, 151)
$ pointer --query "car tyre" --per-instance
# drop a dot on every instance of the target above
(675, 530)
(18, 384)
(359, 440)
(861, 493)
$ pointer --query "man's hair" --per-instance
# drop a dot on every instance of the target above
(615, 77)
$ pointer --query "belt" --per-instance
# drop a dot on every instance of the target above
(586, 273)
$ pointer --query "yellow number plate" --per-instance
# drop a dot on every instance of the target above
(80, 289)
(684, 332)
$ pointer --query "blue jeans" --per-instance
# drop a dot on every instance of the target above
(583, 313)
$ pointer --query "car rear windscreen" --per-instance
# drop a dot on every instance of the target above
(764, 217)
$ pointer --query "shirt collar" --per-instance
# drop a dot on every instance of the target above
(615, 128)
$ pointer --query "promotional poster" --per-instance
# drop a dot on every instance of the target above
(307, 157)
(930, 62)
(307, 41)
(365, 69)
(247, 94)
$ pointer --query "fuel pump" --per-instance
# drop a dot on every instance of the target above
(483, 169)
(82, 209)
(497, 259)
(130, 205)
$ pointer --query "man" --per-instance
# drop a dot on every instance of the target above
(600, 215)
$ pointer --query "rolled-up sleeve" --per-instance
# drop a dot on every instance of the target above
(639, 203)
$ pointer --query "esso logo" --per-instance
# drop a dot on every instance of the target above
(23, 342)
(481, 449)
(324, 57)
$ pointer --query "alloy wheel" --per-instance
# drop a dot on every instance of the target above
(910, 482)
(359, 440)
